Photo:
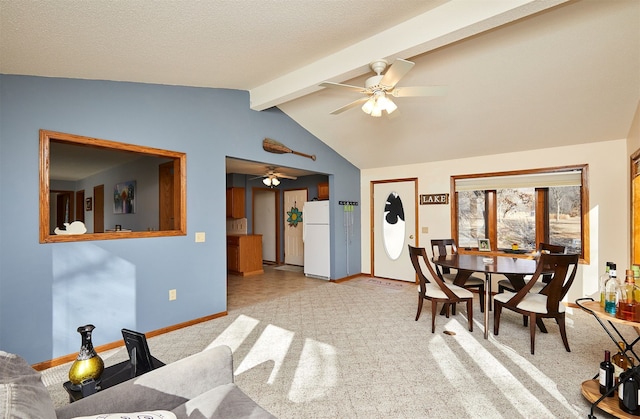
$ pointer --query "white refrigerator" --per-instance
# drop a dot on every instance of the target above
(315, 234)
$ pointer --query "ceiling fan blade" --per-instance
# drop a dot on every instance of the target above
(343, 86)
(397, 71)
(350, 105)
(283, 176)
(419, 91)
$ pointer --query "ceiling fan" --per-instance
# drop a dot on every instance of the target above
(272, 178)
(378, 88)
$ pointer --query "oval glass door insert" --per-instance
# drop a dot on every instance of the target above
(393, 226)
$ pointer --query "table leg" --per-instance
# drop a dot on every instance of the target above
(487, 293)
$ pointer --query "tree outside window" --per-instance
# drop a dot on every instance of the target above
(524, 208)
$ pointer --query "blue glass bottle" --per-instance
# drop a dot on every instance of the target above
(611, 295)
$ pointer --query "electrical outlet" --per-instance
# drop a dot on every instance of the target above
(200, 237)
(173, 295)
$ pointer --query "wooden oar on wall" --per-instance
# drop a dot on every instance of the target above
(272, 146)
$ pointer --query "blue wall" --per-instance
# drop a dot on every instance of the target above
(48, 290)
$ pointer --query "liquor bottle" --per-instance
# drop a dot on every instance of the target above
(636, 279)
(626, 303)
(619, 362)
(602, 282)
(628, 392)
(612, 270)
(606, 375)
(611, 290)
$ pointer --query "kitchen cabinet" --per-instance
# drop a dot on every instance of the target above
(244, 254)
(235, 202)
(323, 191)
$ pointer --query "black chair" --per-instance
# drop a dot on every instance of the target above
(443, 247)
(545, 304)
(434, 289)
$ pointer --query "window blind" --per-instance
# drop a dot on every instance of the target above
(532, 180)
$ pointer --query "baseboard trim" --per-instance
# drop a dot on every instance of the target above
(112, 345)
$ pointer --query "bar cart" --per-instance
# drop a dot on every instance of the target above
(591, 388)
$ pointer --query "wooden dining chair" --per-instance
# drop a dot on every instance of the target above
(443, 247)
(506, 285)
(433, 288)
(548, 302)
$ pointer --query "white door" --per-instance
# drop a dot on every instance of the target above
(394, 227)
(264, 221)
(293, 245)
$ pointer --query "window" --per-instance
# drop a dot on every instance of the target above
(523, 208)
(471, 220)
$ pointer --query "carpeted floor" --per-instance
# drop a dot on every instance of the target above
(308, 348)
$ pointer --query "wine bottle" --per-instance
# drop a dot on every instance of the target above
(606, 375)
(628, 392)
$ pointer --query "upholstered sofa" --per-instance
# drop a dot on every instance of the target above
(199, 386)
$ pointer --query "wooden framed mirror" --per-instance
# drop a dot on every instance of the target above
(117, 190)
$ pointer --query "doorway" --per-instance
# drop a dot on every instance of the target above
(167, 199)
(293, 243)
(393, 227)
(98, 209)
(63, 211)
(265, 222)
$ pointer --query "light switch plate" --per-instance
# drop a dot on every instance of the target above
(200, 237)
(425, 230)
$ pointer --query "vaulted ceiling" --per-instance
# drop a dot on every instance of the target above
(520, 74)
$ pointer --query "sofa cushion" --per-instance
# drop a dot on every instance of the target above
(157, 414)
(226, 401)
(22, 393)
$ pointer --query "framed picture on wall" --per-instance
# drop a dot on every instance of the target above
(88, 204)
(484, 245)
(124, 198)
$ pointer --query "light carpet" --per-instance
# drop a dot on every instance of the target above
(338, 351)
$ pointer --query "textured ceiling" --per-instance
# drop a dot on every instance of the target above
(521, 74)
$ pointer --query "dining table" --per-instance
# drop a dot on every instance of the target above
(514, 268)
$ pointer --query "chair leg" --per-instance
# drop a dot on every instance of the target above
(453, 309)
(434, 308)
(541, 325)
(470, 313)
(525, 321)
(563, 331)
(481, 292)
(497, 310)
(420, 300)
(447, 309)
(532, 331)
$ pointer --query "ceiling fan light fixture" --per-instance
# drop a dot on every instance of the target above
(390, 106)
(271, 181)
(368, 106)
(376, 112)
